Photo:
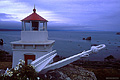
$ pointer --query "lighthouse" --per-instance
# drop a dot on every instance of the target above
(34, 41)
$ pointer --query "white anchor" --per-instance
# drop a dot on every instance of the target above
(43, 65)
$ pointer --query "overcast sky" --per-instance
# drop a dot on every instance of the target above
(64, 14)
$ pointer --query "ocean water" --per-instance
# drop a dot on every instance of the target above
(68, 43)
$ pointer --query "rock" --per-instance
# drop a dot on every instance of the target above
(55, 75)
(94, 44)
(1, 41)
(118, 46)
(83, 38)
(69, 72)
(97, 41)
(77, 73)
(88, 38)
(118, 33)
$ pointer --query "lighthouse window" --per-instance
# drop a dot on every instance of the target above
(34, 25)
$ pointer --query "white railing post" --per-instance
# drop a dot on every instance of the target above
(39, 26)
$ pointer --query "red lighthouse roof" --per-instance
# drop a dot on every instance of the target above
(33, 17)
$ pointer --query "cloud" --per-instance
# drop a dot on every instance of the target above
(92, 13)
(6, 17)
(15, 9)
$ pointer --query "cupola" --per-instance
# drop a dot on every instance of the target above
(35, 21)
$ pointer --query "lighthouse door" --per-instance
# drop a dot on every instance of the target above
(28, 59)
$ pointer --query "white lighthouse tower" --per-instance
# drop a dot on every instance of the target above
(34, 41)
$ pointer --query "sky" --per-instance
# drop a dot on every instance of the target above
(100, 15)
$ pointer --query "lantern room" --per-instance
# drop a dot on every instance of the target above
(34, 28)
(34, 22)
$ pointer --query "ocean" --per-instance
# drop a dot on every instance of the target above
(68, 43)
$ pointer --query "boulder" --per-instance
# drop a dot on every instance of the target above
(70, 72)
(55, 75)
(1, 41)
(118, 46)
(94, 44)
(118, 33)
(83, 38)
(88, 38)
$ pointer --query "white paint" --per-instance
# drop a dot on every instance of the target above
(43, 63)
(34, 36)
(24, 26)
(32, 42)
(19, 54)
(36, 43)
(96, 49)
(39, 26)
(72, 59)
(35, 62)
(30, 25)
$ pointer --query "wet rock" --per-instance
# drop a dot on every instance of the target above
(1, 41)
(118, 46)
(94, 44)
(106, 49)
(83, 38)
(118, 33)
(97, 41)
(88, 38)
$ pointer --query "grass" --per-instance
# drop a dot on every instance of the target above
(5, 65)
(106, 74)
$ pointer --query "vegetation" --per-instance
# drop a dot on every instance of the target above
(109, 69)
(5, 65)
(106, 74)
(20, 72)
(3, 55)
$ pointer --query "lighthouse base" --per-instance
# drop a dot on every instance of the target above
(29, 51)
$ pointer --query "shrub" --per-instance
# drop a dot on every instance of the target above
(20, 72)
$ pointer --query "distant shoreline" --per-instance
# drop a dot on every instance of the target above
(60, 30)
(10, 30)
